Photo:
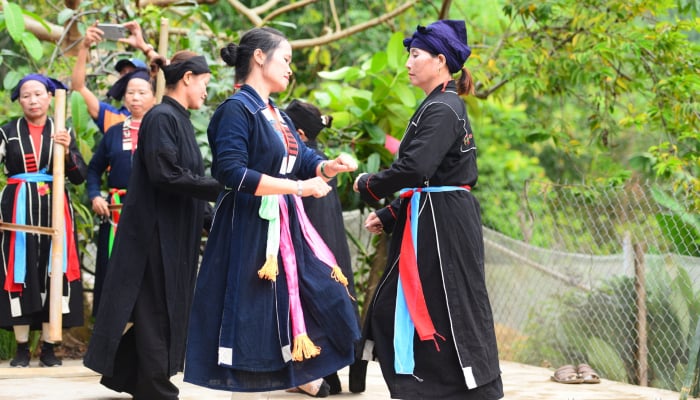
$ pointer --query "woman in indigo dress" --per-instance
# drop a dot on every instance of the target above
(271, 310)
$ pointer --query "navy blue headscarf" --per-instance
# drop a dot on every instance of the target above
(50, 83)
(446, 37)
(118, 90)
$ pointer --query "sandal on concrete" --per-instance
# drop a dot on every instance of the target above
(587, 373)
(566, 374)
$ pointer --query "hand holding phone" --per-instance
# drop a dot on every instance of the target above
(112, 31)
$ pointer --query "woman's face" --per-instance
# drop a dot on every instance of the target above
(277, 71)
(197, 90)
(139, 97)
(35, 100)
(422, 68)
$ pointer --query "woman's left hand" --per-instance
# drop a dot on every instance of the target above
(342, 163)
(62, 137)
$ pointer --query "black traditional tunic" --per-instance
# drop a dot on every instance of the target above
(17, 152)
(437, 150)
(156, 250)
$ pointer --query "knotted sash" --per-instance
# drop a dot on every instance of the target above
(279, 240)
(115, 197)
(411, 312)
(17, 264)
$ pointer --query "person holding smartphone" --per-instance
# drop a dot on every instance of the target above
(104, 114)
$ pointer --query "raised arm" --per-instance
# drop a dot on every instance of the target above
(92, 36)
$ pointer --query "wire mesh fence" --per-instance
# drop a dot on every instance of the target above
(607, 276)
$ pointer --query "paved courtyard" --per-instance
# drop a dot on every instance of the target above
(72, 381)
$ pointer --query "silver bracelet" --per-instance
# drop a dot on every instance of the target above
(300, 189)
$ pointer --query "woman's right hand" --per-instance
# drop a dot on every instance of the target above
(373, 224)
(93, 35)
(315, 186)
(100, 206)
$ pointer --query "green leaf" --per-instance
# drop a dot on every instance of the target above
(379, 62)
(538, 137)
(64, 15)
(14, 20)
(79, 113)
(396, 53)
(11, 79)
(33, 45)
(336, 75)
(373, 162)
(604, 359)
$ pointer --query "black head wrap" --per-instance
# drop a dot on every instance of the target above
(118, 90)
(446, 37)
(50, 83)
(307, 118)
(175, 72)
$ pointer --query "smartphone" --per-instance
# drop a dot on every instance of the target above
(113, 31)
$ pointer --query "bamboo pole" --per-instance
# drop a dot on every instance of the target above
(42, 230)
(163, 51)
(57, 223)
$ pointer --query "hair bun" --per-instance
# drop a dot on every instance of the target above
(229, 54)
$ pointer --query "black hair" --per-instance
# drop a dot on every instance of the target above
(239, 55)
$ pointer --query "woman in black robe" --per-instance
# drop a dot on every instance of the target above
(430, 320)
(26, 150)
(138, 341)
(326, 215)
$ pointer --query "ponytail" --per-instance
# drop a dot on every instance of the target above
(465, 83)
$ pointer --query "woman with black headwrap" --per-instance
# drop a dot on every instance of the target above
(26, 150)
(138, 341)
(113, 155)
(430, 321)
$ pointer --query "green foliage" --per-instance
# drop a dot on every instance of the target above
(600, 327)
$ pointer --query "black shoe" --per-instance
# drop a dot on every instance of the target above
(358, 376)
(47, 357)
(333, 383)
(22, 357)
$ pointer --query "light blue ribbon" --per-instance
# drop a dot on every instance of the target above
(21, 219)
(404, 329)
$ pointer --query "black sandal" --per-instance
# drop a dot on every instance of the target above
(314, 389)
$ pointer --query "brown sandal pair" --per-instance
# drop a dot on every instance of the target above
(581, 374)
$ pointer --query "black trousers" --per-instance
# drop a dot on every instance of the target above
(142, 363)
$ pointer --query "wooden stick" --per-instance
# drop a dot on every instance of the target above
(114, 207)
(163, 51)
(57, 223)
(42, 230)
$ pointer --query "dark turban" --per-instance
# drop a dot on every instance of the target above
(174, 72)
(446, 37)
(307, 118)
(118, 90)
(50, 83)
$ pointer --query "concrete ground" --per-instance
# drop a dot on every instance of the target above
(72, 381)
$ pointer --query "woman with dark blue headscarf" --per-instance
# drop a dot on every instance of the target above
(26, 150)
(430, 322)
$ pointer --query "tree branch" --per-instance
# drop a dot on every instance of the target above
(284, 9)
(304, 43)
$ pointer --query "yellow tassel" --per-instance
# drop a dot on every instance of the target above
(269, 270)
(304, 348)
(338, 275)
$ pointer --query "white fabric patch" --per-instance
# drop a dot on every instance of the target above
(469, 377)
(367, 350)
(287, 353)
(225, 356)
(15, 307)
(65, 307)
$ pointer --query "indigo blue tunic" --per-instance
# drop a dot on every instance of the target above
(239, 336)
